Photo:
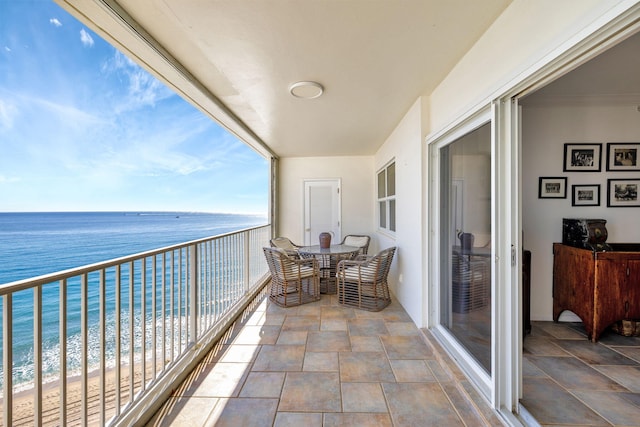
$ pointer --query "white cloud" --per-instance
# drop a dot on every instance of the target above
(8, 179)
(55, 22)
(86, 38)
(7, 48)
(142, 89)
(7, 113)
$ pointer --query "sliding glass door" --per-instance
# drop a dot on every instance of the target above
(465, 242)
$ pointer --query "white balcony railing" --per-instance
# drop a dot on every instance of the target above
(107, 341)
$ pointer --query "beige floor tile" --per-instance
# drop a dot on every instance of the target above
(631, 352)
(222, 380)
(463, 405)
(574, 374)
(333, 324)
(402, 328)
(541, 346)
(243, 412)
(627, 376)
(411, 371)
(393, 314)
(256, 318)
(258, 335)
(328, 341)
(407, 405)
(332, 312)
(292, 338)
(363, 397)
(366, 344)
(360, 420)
(183, 412)
(406, 347)
(367, 327)
(311, 392)
(279, 358)
(611, 406)
(308, 310)
(263, 384)
(365, 367)
(239, 353)
(551, 404)
(297, 419)
(273, 319)
(301, 323)
(325, 361)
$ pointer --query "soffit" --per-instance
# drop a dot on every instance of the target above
(374, 58)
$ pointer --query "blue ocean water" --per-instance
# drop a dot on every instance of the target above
(33, 244)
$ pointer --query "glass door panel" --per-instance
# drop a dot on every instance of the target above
(465, 237)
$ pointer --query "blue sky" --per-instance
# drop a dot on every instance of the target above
(83, 128)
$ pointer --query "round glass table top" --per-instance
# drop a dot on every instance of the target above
(331, 250)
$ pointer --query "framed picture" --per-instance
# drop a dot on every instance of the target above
(552, 187)
(623, 192)
(585, 195)
(623, 156)
(582, 157)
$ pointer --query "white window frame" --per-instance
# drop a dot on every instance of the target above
(387, 199)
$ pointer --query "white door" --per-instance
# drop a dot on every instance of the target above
(321, 210)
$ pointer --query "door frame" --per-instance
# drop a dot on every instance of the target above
(306, 212)
(504, 387)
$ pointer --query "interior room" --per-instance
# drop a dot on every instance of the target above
(596, 103)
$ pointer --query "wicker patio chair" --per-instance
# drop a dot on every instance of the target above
(286, 244)
(362, 282)
(294, 281)
(360, 241)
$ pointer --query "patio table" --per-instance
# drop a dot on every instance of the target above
(328, 260)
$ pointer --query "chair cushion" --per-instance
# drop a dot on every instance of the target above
(361, 273)
(291, 271)
(355, 241)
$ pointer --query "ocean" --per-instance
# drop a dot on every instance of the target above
(33, 244)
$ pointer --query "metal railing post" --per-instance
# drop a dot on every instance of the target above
(194, 283)
(116, 291)
(7, 361)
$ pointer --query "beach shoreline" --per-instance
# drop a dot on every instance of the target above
(23, 400)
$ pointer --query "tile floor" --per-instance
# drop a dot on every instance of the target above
(321, 364)
(569, 380)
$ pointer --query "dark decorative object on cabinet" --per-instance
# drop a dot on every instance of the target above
(585, 233)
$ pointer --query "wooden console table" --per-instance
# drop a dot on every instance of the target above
(599, 287)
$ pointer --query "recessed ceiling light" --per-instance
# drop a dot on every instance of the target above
(306, 90)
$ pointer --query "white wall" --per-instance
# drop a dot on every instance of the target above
(526, 36)
(357, 199)
(405, 145)
(545, 131)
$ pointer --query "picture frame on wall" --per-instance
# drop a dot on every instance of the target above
(552, 187)
(623, 156)
(585, 195)
(623, 192)
(582, 157)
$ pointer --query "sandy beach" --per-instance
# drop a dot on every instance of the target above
(23, 401)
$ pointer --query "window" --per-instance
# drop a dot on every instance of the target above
(387, 197)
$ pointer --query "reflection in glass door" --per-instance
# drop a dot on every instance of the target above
(465, 237)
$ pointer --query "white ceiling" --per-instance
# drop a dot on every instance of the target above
(612, 77)
(374, 58)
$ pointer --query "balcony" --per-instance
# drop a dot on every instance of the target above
(205, 346)
(324, 364)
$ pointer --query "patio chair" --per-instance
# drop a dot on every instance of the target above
(286, 244)
(360, 241)
(362, 282)
(294, 281)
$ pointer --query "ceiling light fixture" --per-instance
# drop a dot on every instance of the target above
(306, 90)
